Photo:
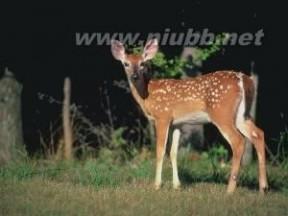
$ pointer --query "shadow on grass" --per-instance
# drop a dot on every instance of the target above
(188, 178)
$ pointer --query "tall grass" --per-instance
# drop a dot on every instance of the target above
(100, 173)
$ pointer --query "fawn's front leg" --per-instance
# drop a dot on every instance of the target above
(162, 131)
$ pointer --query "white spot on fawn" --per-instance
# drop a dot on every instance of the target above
(160, 91)
(254, 134)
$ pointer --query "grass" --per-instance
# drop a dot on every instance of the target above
(92, 187)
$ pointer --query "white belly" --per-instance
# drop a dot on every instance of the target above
(193, 118)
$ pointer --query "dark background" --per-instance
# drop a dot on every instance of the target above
(37, 42)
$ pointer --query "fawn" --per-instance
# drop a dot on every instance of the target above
(223, 98)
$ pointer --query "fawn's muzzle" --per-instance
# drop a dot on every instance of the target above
(135, 76)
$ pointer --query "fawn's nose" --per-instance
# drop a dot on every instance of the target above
(134, 76)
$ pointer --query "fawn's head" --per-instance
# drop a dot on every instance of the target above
(135, 64)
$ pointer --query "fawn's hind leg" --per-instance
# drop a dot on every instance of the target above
(173, 157)
(256, 136)
(236, 141)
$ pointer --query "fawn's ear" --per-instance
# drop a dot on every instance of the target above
(118, 50)
(150, 49)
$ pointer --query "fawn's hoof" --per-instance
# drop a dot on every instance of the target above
(177, 186)
(230, 190)
(157, 186)
(264, 190)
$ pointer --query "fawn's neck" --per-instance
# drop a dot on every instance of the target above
(140, 93)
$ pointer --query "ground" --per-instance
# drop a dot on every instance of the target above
(92, 187)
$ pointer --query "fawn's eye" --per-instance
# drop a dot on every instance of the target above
(142, 64)
(126, 64)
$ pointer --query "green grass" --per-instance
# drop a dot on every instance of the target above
(97, 188)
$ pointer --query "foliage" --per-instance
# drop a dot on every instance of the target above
(218, 155)
(279, 154)
(168, 68)
(207, 52)
(163, 67)
(117, 149)
(105, 140)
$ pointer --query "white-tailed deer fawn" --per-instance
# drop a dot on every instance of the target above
(223, 98)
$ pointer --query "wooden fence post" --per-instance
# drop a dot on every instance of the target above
(67, 127)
